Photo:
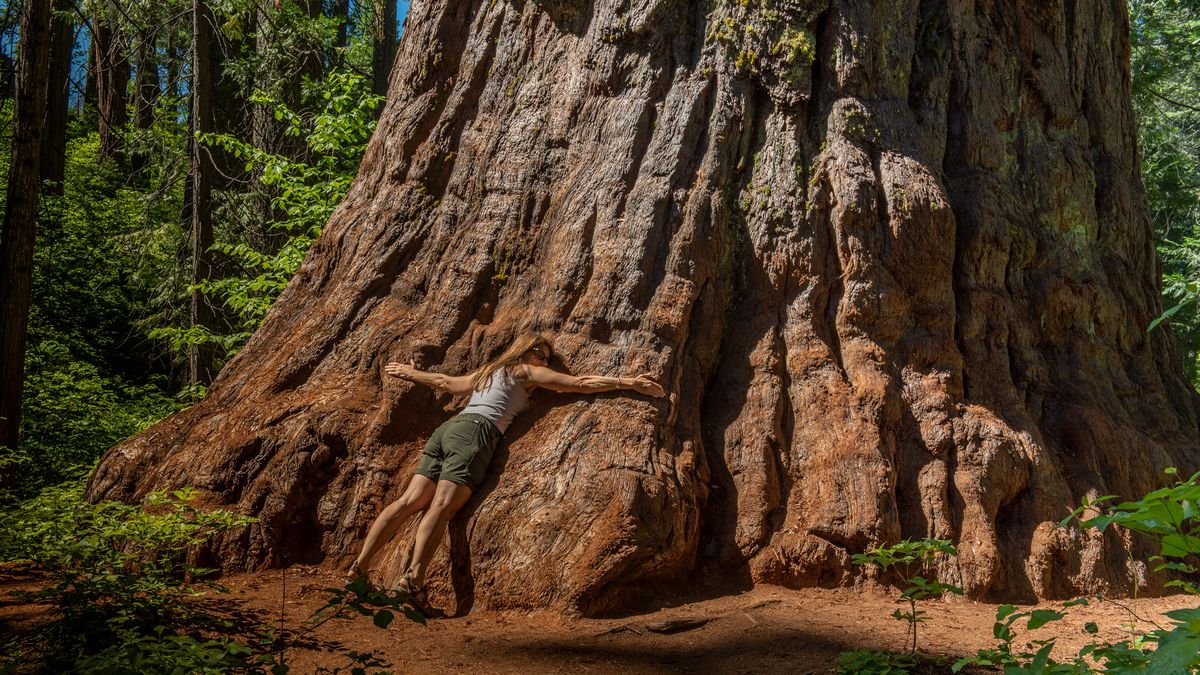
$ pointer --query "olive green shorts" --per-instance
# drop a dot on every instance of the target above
(460, 450)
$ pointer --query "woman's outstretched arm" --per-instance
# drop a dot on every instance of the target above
(591, 384)
(458, 385)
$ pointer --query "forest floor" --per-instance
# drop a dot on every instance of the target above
(765, 630)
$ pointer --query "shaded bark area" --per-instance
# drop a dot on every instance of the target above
(892, 261)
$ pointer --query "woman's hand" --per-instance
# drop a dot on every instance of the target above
(401, 370)
(644, 385)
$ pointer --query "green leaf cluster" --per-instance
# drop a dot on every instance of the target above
(902, 558)
(306, 192)
(874, 662)
(104, 265)
(1165, 64)
(117, 575)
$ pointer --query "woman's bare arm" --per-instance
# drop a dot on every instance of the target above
(458, 385)
(590, 384)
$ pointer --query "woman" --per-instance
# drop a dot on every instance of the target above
(456, 457)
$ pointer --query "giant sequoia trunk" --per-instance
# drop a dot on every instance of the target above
(892, 261)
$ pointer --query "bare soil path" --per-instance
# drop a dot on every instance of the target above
(768, 629)
(765, 630)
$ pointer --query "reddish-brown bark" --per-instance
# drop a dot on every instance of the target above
(892, 261)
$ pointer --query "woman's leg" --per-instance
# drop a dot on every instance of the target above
(417, 496)
(448, 499)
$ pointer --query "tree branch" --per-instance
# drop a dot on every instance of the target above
(1178, 104)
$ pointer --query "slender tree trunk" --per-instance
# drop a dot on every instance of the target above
(175, 56)
(383, 34)
(20, 215)
(264, 132)
(201, 358)
(54, 137)
(312, 66)
(112, 84)
(146, 90)
(340, 10)
(892, 260)
(91, 83)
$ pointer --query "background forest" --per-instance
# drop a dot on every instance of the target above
(176, 199)
(193, 150)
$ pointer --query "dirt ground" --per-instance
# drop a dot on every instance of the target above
(766, 630)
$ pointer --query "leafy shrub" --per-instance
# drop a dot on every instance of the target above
(1172, 516)
(116, 573)
(119, 579)
(903, 558)
(72, 413)
(162, 652)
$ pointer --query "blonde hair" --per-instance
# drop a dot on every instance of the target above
(510, 358)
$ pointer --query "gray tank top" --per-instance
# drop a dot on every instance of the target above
(500, 400)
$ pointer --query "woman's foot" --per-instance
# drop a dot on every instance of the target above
(417, 596)
(354, 573)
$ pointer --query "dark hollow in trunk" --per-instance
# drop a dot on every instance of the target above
(892, 260)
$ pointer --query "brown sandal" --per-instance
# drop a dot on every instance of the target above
(418, 597)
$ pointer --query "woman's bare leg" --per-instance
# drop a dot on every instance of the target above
(448, 499)
(417, 496)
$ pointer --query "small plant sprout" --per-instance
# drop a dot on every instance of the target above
(906, 558)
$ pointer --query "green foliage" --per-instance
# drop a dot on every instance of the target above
(1171, 514)
(105, 253)
(72, 413)
(306, 192)
(902, 558)
(119, 579)
(872, 662)
(1004, 656)
(117, 575)
(359, 596)
(110, 555)
(1165, 63)
(162, 652)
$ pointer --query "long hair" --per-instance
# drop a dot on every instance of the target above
(510, 358)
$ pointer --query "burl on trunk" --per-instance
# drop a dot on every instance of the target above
(891, 259)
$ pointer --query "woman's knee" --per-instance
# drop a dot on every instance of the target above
(444, 506)
(441, 507)
(403, 507)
